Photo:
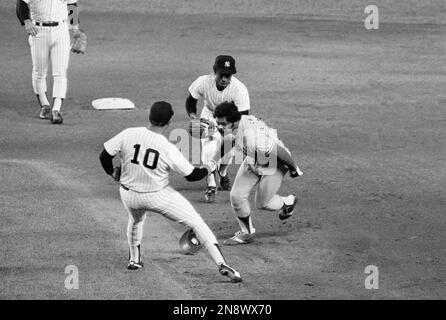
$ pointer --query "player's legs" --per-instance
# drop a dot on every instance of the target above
(60, 55)
(266, 197)
(244, 182)
(135, 229)
(40, 55)
(225, 161)
(174, 206)
(209, 147)
(135, 226)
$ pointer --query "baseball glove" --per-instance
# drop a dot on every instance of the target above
(200, 128)
(78, 41)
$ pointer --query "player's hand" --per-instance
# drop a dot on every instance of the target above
(294, 173)
(116, 175)
(211, 125)
(211, 165)
(30, 28)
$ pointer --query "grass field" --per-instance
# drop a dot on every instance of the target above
(362, 111)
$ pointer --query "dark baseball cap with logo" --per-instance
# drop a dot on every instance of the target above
(224, 64)
(160, 113)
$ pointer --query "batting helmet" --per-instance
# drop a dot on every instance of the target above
(189, 243)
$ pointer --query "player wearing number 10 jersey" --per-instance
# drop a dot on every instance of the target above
(147, 157)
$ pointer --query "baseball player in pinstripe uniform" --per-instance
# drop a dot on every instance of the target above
(46, 22)
(266, 162)
(221, 86)
(146, 159)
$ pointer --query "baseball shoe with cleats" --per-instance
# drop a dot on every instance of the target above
(45, 112)
(132, 265)
(229, 272)
(209, 195)
(239, 238)
(288, 210)
(56, 117)
(225, 183)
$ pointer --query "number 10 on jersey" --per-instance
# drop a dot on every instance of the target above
(150, 157)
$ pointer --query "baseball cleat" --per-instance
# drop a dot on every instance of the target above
(287, 210)
(229, 272)
(225, 183)
(45, 112)
(239, 238)
(209, 194)
(135, 265)
(56, 117)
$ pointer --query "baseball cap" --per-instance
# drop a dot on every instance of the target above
(161, 112)
(225, 64)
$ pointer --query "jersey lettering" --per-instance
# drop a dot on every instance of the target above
(153, 160)
(151, 155)
(135, 155)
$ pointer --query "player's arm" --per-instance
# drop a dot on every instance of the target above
(111, 148)
(284, 156)
(73, 15)
(180, 164)
(242, 100)
(22, 11)
(196, 90)
(197, 174)
(191, 107)
(106, 162)
(227, 144)
(23, 14)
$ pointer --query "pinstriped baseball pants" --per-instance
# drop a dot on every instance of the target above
(50, 44)
(167, 202)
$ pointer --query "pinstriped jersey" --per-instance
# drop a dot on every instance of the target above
(254, 135)
(257, 140)
(146, 159)
(206, 88)
(48, 10)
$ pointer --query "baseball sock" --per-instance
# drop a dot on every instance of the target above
(223, 170)
(57, 104)
(288, 200)
(134, 253)
(211, 180)
(214, 251)
(43, 101)
(246, 225)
